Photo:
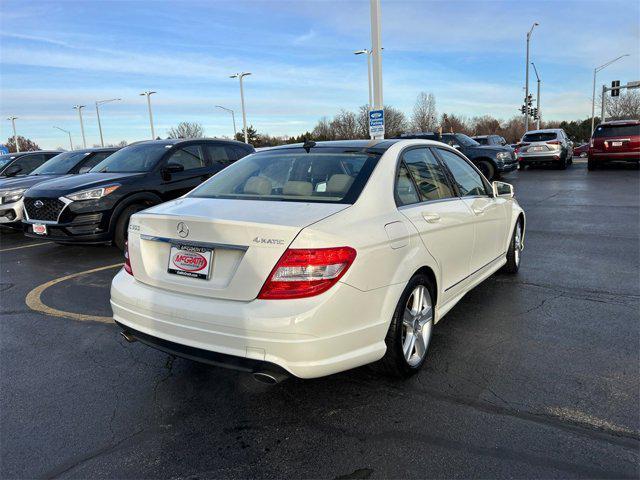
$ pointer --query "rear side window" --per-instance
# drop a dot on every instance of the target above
(221, 155)
(406, 192)
(603, 131)
(427, 174)
(293, 175)
(539, 137)
(482, 141)
(189, 157)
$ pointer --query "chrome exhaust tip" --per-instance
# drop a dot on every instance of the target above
(128, 337)
(270, 378)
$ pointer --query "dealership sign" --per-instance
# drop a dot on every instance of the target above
(376, 123)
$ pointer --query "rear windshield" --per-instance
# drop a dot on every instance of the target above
(60, 164)
(540, 137)
(616, 131)
(293, 175)
(134, 158)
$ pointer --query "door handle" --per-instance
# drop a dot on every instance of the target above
(431, 217)
(478, 211)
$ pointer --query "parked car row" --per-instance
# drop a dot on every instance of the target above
(88, 196)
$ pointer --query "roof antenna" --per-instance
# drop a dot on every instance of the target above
(308, 145)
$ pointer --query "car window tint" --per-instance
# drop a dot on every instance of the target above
(221, 155)
(240, 152)
(190, 157)
(428, 174)
(94, 160)
(406, 193)
(540, 137)
(467, 179)
(616, 130)
(30, 162)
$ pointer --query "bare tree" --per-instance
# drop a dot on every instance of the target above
(186, 130)
(425, 116)
(452, 123)
(26, 144)
(485, 125)
(345, 125)
(395, 122)
(322, 130)
(624, 107)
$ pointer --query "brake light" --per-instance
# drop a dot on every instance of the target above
(553, 142)
(591, 143)
(302, 273)
(127, 262)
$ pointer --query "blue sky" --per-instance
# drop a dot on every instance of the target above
(55, 54)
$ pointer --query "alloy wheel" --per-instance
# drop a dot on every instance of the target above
(517, 243)
(417, 323)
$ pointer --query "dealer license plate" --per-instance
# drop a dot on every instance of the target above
(39, 229)
(190, 261)
(616, 144)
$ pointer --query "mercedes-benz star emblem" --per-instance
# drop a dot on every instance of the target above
(183, 230)
(39, 204)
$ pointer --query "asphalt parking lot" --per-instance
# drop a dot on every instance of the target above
(536, 375)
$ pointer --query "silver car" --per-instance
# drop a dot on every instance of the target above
(550, 146)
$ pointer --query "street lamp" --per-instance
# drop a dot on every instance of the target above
(244, 114)
(98, 103)
(233, 117)
(537, 97)
(15, 136)
(79, 108)
(526, 83)
(367, 52)
(593, 98)
(68, 133)
(148, 94)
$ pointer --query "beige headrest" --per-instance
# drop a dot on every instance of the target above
(297, 188)
(339, 183)
(258, 186)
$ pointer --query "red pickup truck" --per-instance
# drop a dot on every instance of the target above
(615, 141)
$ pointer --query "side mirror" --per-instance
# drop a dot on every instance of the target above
(502, 189)
(456, 146)
(170, 168)
(13, 170)
(84, 169)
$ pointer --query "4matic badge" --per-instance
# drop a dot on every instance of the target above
(268, 241)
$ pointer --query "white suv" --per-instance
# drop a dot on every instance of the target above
(549, 146)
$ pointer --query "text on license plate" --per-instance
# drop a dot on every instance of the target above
(40, 229)
(537, 149)
(616, 144)
(190, 261)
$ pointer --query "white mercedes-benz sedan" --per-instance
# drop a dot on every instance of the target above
(312, 259)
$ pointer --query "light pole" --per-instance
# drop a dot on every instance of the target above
(233, 118)
(244, 115)
(148, 94)
(537, 97)
(15, 136)
(367, 52)
(526, 83)
(593, 98)
(376, 52)
(98, 103)
(68, 133)
(79, 108)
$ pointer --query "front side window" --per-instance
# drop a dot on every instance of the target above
(60, 164)
(190, 157)
(320, 175)
(428, 175)
(467, 179)
(29, 163)
(139, 158)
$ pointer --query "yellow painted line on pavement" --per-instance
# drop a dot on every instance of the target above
(24, 246)
(34, 300)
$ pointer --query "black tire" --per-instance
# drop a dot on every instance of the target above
(513, 256)
(487, 169)
(591, 165)
(394, 362)
(522, 166)
(122, 225)
(562, 164)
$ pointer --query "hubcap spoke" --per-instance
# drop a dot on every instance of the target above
(421, 346)
(407, 319)
(417, 322)
(409, 344)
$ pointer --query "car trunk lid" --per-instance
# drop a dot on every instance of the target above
(246, 237)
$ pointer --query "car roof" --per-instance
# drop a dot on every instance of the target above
(621, 122)
(377, 145)
(544, 130)
(96, 149)
(178, 141)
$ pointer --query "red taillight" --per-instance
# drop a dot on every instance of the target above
(304, 273)
(127, 262)
(553, 142)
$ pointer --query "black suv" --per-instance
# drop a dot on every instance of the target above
(23, 163)
(96, 207)
(491, 160)
(490, 140)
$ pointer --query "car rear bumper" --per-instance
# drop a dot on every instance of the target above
(341, 329)
(615, 156)
(540, 157)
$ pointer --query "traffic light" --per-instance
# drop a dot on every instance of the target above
(615, 92)
(523, 109)
(534, 113)
(529, 99)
